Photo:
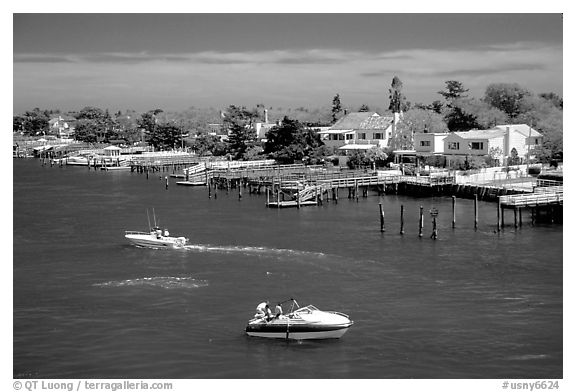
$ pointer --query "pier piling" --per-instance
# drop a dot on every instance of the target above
(421, 222)
(382, 227)
(402, 219)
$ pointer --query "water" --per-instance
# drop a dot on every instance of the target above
(472, 304)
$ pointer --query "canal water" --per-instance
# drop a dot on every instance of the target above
(472, 304)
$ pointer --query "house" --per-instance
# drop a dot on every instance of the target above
(520, 137)
(499, 142)
(426, 144)
(61, 127)
(359, 131)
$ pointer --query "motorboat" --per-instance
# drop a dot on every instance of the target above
(299, 323)
(156, 238)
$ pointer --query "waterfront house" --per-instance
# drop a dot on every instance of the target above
(426, 144)
(61, 127)
(359, 131)
(520, 137)
(500, 142)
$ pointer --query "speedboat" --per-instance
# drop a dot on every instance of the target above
(306, 322)
(156, 238)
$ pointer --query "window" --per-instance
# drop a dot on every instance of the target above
(425, 143)
(453, 146)
(476, 145)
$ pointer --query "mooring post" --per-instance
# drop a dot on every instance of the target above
(498, 215)
(402, 219)
(421, 221)
(453, 211)
(382, 228)
(434, 214)
(475, 212)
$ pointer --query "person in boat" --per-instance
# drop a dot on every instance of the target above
(263, 311)
(278, 311)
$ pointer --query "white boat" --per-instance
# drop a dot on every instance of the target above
(155, 238)
(307, 322)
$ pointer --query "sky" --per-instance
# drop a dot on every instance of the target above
(175, 61)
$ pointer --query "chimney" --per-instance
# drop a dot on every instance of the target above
(265, 116)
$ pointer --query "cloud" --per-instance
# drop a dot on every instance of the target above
(303, 77)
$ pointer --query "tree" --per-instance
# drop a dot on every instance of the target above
(241, 133)
(397, 99)
(415, 121)
(290, 142)
(165, 136)
(336, 107)
(508, 97)
(453, 91)
(206, 144)
(554, 98)
(35, 122)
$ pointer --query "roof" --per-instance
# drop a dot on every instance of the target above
(362, 120)
(523, 129)
(481, 134)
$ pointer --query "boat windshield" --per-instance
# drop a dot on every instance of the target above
(307, 309)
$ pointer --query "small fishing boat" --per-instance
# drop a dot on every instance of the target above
(155, 237)
(299, 323)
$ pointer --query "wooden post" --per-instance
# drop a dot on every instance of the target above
(453, 211)
(434, 229)
(402, 219)
(498, 208)
(421, 222)
(475, 212)
(382, 228)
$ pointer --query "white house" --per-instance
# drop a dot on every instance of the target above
(520, 137)
(498, 142)
(359, 131)
(429, 143)
(60, 127)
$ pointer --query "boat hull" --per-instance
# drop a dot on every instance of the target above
(150, 241)
(297, 332)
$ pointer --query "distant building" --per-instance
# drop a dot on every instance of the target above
(498, 142)
(360, 131)
(62, 128)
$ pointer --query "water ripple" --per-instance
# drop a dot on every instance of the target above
(166, 282)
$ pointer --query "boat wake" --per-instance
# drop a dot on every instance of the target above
(166, 282)
(253, 250)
